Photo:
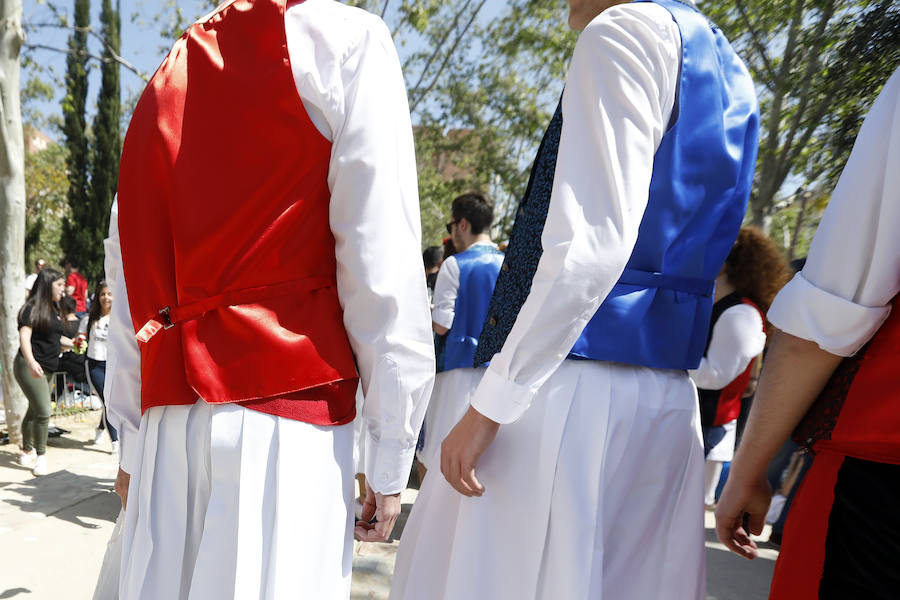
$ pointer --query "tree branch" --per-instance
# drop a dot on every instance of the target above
(448, 56)
(757, 43)
(812, 67)
(438, 46)
(100, 59)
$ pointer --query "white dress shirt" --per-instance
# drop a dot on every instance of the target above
(843, 294)
(618, 98)
(348, 76)
(737, 338)
(446, 289)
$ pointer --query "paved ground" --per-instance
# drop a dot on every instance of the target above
(54, 529)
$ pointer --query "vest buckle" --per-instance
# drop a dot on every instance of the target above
(167, 321)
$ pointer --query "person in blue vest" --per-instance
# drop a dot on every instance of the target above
(577, 471)
(462, 293)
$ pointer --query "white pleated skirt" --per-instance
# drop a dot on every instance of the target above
(449, 401)
(230, 503)
(595, 493)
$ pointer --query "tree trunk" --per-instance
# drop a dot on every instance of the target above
(12, 210)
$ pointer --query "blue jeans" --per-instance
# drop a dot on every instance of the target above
(97, 371)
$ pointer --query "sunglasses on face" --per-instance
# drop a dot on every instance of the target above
(450, 225)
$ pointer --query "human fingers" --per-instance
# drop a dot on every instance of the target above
(471, 482)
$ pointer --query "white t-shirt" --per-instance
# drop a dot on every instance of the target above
(98, 338)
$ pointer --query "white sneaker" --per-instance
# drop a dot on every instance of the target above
(98, 437)
(40, 466)
(115, 447)
(26, 459)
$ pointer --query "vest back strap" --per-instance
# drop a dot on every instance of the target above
(169, 316)
(651, 279)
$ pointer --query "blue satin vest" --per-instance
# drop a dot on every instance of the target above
(658, 313)
(478, 269)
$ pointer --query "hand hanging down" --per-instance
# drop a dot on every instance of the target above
(462, 448)
(385, 509)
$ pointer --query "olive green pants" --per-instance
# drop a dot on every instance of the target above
(37, 390)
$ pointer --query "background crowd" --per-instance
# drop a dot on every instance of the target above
(63, 331)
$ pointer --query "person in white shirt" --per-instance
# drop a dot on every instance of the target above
(222, 500)
(39, 265)
(462, 292)
(577, 470)
(831, 373)
(754, 272)
(94, 329)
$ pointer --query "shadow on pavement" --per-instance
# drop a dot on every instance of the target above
(57, 492)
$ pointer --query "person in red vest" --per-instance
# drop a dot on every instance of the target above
(753, 273)
(264, 255)
(835, 361)
(76, 287)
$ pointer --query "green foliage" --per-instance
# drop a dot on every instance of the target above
(75, 131)
(818, 65)
(46, 203)
(106, 149)
(483, 89)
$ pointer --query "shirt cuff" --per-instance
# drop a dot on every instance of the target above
(128, 458)
(444, 318)
(500, 399)
(837, 325)
(387, 464)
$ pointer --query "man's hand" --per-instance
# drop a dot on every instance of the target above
(742, 497)
(463, 447)
(385, 509)
(121, 486)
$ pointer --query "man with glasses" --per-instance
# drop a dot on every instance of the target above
(461, 295)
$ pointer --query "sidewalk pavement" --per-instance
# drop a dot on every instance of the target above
(54, 529)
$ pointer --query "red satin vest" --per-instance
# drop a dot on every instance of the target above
(858, 412)
(223, 220)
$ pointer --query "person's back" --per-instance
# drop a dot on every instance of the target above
(253, 235)
(636, 195)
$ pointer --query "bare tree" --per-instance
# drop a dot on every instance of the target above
(12, 208)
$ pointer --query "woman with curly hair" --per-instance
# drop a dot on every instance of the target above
(753, 273)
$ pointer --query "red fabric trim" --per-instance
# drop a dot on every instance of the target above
(729, 407)
(868, 426)
(802, 558)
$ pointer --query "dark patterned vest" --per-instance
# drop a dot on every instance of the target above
(657, 315)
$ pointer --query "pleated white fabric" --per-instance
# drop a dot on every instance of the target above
(449, 401)
(233, 503)
(596, 492)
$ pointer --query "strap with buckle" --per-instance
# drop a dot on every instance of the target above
(168, 317)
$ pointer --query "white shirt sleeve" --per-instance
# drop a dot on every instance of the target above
(737, 338)
(446, 288)
(617, 102)
(122, 390)
(348, 75)
(843, 294)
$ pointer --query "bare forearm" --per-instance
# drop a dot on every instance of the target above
(25, 344)
(795, 372)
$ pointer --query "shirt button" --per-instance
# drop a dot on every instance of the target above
(505, 267)
(492, 321)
